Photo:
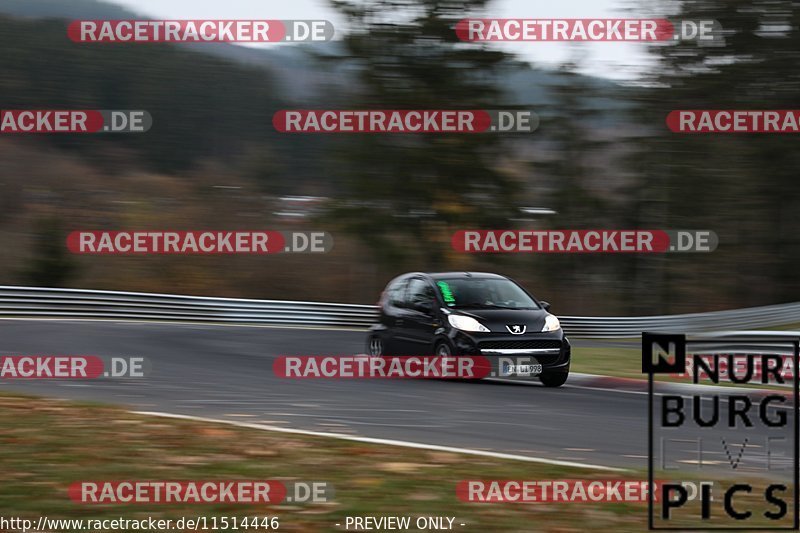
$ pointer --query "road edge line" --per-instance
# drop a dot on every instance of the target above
(387, 442)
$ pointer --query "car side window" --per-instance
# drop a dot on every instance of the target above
(397, 293)
(419, 291)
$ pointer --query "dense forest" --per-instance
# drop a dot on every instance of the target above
(602, 158)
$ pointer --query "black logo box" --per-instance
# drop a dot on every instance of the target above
(666, 343)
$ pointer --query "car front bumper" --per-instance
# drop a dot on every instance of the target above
(550, 349)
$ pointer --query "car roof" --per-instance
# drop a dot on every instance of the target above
(459, 275)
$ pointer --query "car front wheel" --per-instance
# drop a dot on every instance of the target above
(443, 349)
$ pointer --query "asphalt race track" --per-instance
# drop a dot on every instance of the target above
(226, 372)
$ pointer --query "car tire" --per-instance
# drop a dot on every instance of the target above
(554, 379)
(443, 349)
(374, 346)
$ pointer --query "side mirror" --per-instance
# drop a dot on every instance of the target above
(545, 305)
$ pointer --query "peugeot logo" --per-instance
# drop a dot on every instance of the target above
(516, 329)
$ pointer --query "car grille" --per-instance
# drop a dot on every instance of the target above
(530, 344)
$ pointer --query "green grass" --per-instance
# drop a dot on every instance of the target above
(45, 445)
(622, 362)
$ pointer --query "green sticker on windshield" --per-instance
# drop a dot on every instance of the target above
(447, 294)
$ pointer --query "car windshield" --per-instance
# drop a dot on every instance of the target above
(482, 293)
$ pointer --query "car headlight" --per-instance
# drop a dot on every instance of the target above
(466, 323)
(551, 323)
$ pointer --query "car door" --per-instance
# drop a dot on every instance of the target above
(392, 317)
(419, 322)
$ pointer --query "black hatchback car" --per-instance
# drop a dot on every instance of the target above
(471, 313)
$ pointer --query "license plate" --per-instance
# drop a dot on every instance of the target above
(527, 370)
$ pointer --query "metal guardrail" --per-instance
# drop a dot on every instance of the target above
(36, 302)
(88, 304)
